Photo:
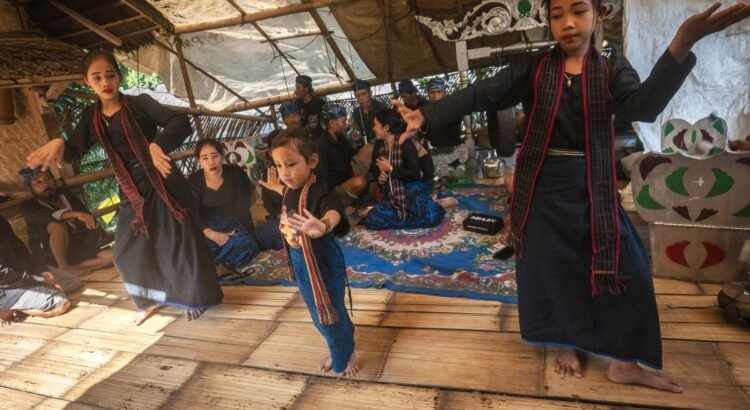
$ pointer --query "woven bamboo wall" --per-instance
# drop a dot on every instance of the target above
(17, 140)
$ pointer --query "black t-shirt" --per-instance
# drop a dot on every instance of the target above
(232, 199)
(335, 159)
(311, 113)
(319, 201)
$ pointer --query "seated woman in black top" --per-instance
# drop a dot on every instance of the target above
(223, 192)
(407, 203)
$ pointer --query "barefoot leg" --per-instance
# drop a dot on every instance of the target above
(447, 202)
(144, 314)
(352, 368)
(568, 362)
(631, 373)
(326, 364)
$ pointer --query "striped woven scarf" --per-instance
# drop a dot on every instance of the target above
(326, 313)
(395, 185)
(138, 144)
(605, 231)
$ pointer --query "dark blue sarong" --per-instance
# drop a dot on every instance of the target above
(340, 335)
(422, 211)
(553, 275)
(241, 247)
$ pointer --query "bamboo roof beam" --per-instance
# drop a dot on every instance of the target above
(275, 46)
(331, 42)
(314, 33)
(108, 25)
(202, 71)
(150, 12)
(264, 34)
(257, 16)
(86, 22)
(129, 34)
(319, 91)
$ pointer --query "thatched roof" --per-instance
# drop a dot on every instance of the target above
(113, 16)
(30, 58)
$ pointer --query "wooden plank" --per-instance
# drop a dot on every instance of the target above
(475, 400)
(710, 288)
(696, 365)
(712, 332)
(118, 320)
(693, 309)
(355, 395)
(299, 347)
(20, 400)
(122, 342)
(244, 295)
(16, 348)
(464, 359)
(235, 387)
(141, 382)
(70, 319)
(360, 317)
(104, 275)
(91, 297)
(226, 311)
(212, 340)
(34, 330)
(457, 321)
(55, 368)
(735, 355)
(664, 286)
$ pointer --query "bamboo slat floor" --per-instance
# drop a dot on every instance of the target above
(260, 350)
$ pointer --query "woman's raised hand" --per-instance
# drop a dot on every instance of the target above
(703, 24)
(47, 153)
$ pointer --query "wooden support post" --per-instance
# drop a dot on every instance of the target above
(389, 61)
(188, 86)
(86, 22)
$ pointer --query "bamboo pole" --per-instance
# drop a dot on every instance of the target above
(319, 91)
(86, 22)
(202, 71)
(18, 197)
(258, 16)
(108, 25)
(275, 46)
(388, 59)
(185, 110)
(332, 43)
(188, 86)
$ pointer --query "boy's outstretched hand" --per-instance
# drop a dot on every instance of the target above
(703, 24)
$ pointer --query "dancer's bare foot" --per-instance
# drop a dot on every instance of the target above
(630, 373)
(352, 368)
(568, 362)
(144, 314)
(193, 314)
(326, 365)
(6, 318)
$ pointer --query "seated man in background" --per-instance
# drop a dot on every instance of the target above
(62, 231)
(342, 168)
(311, 106)
(24, 286)
(409, 95)
(364, 114)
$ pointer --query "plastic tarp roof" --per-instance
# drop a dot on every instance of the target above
(239, 56)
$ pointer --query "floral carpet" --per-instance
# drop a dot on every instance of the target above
(445, 260)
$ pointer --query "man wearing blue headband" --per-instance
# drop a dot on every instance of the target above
(311, 106)
(364, 113)
(342, 167)
(444, 137)
(410, 96)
